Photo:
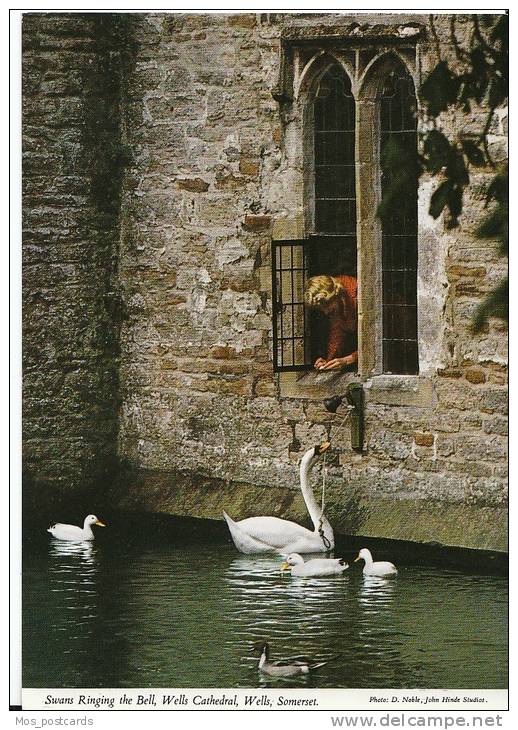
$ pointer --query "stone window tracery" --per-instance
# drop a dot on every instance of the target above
(350, 108)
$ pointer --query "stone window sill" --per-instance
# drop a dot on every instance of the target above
(314, 386)
(397, 390)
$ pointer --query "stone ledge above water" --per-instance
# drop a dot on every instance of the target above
(471, 526)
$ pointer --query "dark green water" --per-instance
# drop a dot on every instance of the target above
(141, 609)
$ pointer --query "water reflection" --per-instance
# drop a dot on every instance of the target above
(72, 578)
(294, 614)
(376, 594)
(380, 645)
(83, 550)
(374, 585)
(125, 615)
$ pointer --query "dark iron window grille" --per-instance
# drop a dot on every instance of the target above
(291, 344)
(398, 151)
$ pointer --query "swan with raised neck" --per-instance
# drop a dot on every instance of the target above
(272, 534)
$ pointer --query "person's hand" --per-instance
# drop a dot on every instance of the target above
(338, 363)
(319, 363)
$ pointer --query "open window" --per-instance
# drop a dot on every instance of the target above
(358, 115)
(332, 248)
(301, 336)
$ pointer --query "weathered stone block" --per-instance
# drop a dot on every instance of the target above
(390, 445)
(423, 439)
(242, 20)
(445, 446)
(494, 400)
(230, 182)
(193, 185)
(265, 387)
(449, 373)
(257, 223)
(475, 376)
(481, 447)
(310, 434)
(249, 166)
(496, 424)
(472, 271)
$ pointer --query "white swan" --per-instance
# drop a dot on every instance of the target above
(267, 534)
(72, 532)
(380, 569)
(316, 568)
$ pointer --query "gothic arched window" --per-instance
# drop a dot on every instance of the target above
(357, 119)
(334, 139)
(333, 241)
(398, 158)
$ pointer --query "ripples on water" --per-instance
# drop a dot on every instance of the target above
(120, 614)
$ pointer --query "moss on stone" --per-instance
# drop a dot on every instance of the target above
(420, 521)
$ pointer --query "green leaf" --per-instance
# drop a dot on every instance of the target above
(436, 151)
(479, 64)
(455, 204)
(496, 304)
(484, 81)
(473, 153)
(498, 188)
(500, 32)
(440, 198)
(498, 92)
(493, 225)
(456, 168)
(440, 89)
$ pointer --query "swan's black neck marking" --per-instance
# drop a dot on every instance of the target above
(325, 540)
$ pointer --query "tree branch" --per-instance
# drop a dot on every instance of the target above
(436, 40)
(461, 54)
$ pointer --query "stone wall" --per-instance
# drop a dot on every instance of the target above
(204, 422)
(72, 171)
(203, 415)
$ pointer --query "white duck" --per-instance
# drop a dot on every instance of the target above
(72, 532)
(315, 568)
(269, 534)
(380, 569)
(284, 667)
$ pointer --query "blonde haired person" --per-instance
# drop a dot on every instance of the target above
(336, 298)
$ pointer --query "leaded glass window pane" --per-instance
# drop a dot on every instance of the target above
(398, 151)
(334, 135)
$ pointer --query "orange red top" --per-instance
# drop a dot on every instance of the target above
(343, 322)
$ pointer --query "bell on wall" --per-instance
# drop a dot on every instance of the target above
(332, 404)
(356, 404)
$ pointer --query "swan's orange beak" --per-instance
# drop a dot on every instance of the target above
(323, 447)
(285, 566)
(101, 524)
